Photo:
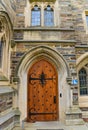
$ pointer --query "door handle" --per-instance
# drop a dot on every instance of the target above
(54, 99)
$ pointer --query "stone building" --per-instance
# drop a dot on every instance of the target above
(43, 61)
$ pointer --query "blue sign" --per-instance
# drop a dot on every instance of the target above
(74, 81)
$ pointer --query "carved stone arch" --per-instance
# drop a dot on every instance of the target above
(82, 61)
(34, 55)
(6, 34)
(5, 15)
(42, 51)
(48, 3)
(7, 24)
(35, 3)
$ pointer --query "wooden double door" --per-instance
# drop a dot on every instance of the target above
(42, 92)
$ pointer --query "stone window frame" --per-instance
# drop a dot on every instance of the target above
(85, 13)
(2, 39)
(42, 8)
(4, 34)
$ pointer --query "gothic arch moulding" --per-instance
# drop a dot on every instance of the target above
(39, 52)
(51, 55)
(82, 61)
(4, 17)
(5, 38)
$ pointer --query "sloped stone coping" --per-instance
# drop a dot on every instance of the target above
(7, 121)
(3, 78)
(49, 129)
(6, 89)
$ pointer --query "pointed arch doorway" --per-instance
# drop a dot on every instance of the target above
(42, 99)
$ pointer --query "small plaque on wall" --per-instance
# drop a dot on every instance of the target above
(74, 82)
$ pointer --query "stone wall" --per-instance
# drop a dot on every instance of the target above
(6, 101)
(69, 38)
(79, 20)
(15, 58)
(65, 13)
(20, 18)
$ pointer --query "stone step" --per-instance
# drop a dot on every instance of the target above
(75, 122)
(74, 116)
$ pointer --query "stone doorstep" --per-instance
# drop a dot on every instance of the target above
(62, 126)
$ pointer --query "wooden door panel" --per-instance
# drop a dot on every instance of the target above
(42, 92)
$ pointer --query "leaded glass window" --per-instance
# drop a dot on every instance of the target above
(83, 82)
(87, 20)
(1, 51)
(35, 16)
(48, 16)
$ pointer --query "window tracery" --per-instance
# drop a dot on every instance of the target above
(46, 18)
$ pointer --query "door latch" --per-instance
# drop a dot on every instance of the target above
(54, 99)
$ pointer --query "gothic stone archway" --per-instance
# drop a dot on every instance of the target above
(42, 92)
(61, 67)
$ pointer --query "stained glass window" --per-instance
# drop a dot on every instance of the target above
(87, 19)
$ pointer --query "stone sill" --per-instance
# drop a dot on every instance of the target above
(43, 29)
(45, 41)
(8, 116)
(82, 46)
(6, 89)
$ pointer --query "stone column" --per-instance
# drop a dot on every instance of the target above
(71, 96)
(16, 93)
(42, 15)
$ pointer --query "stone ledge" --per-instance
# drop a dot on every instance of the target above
(6, 89)
(12, 113)
(46, 41)
(8, 121)
(43, 29)
(81, 46)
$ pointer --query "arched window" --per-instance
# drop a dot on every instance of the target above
(35, 16)
(83, 82)
(48, 16)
